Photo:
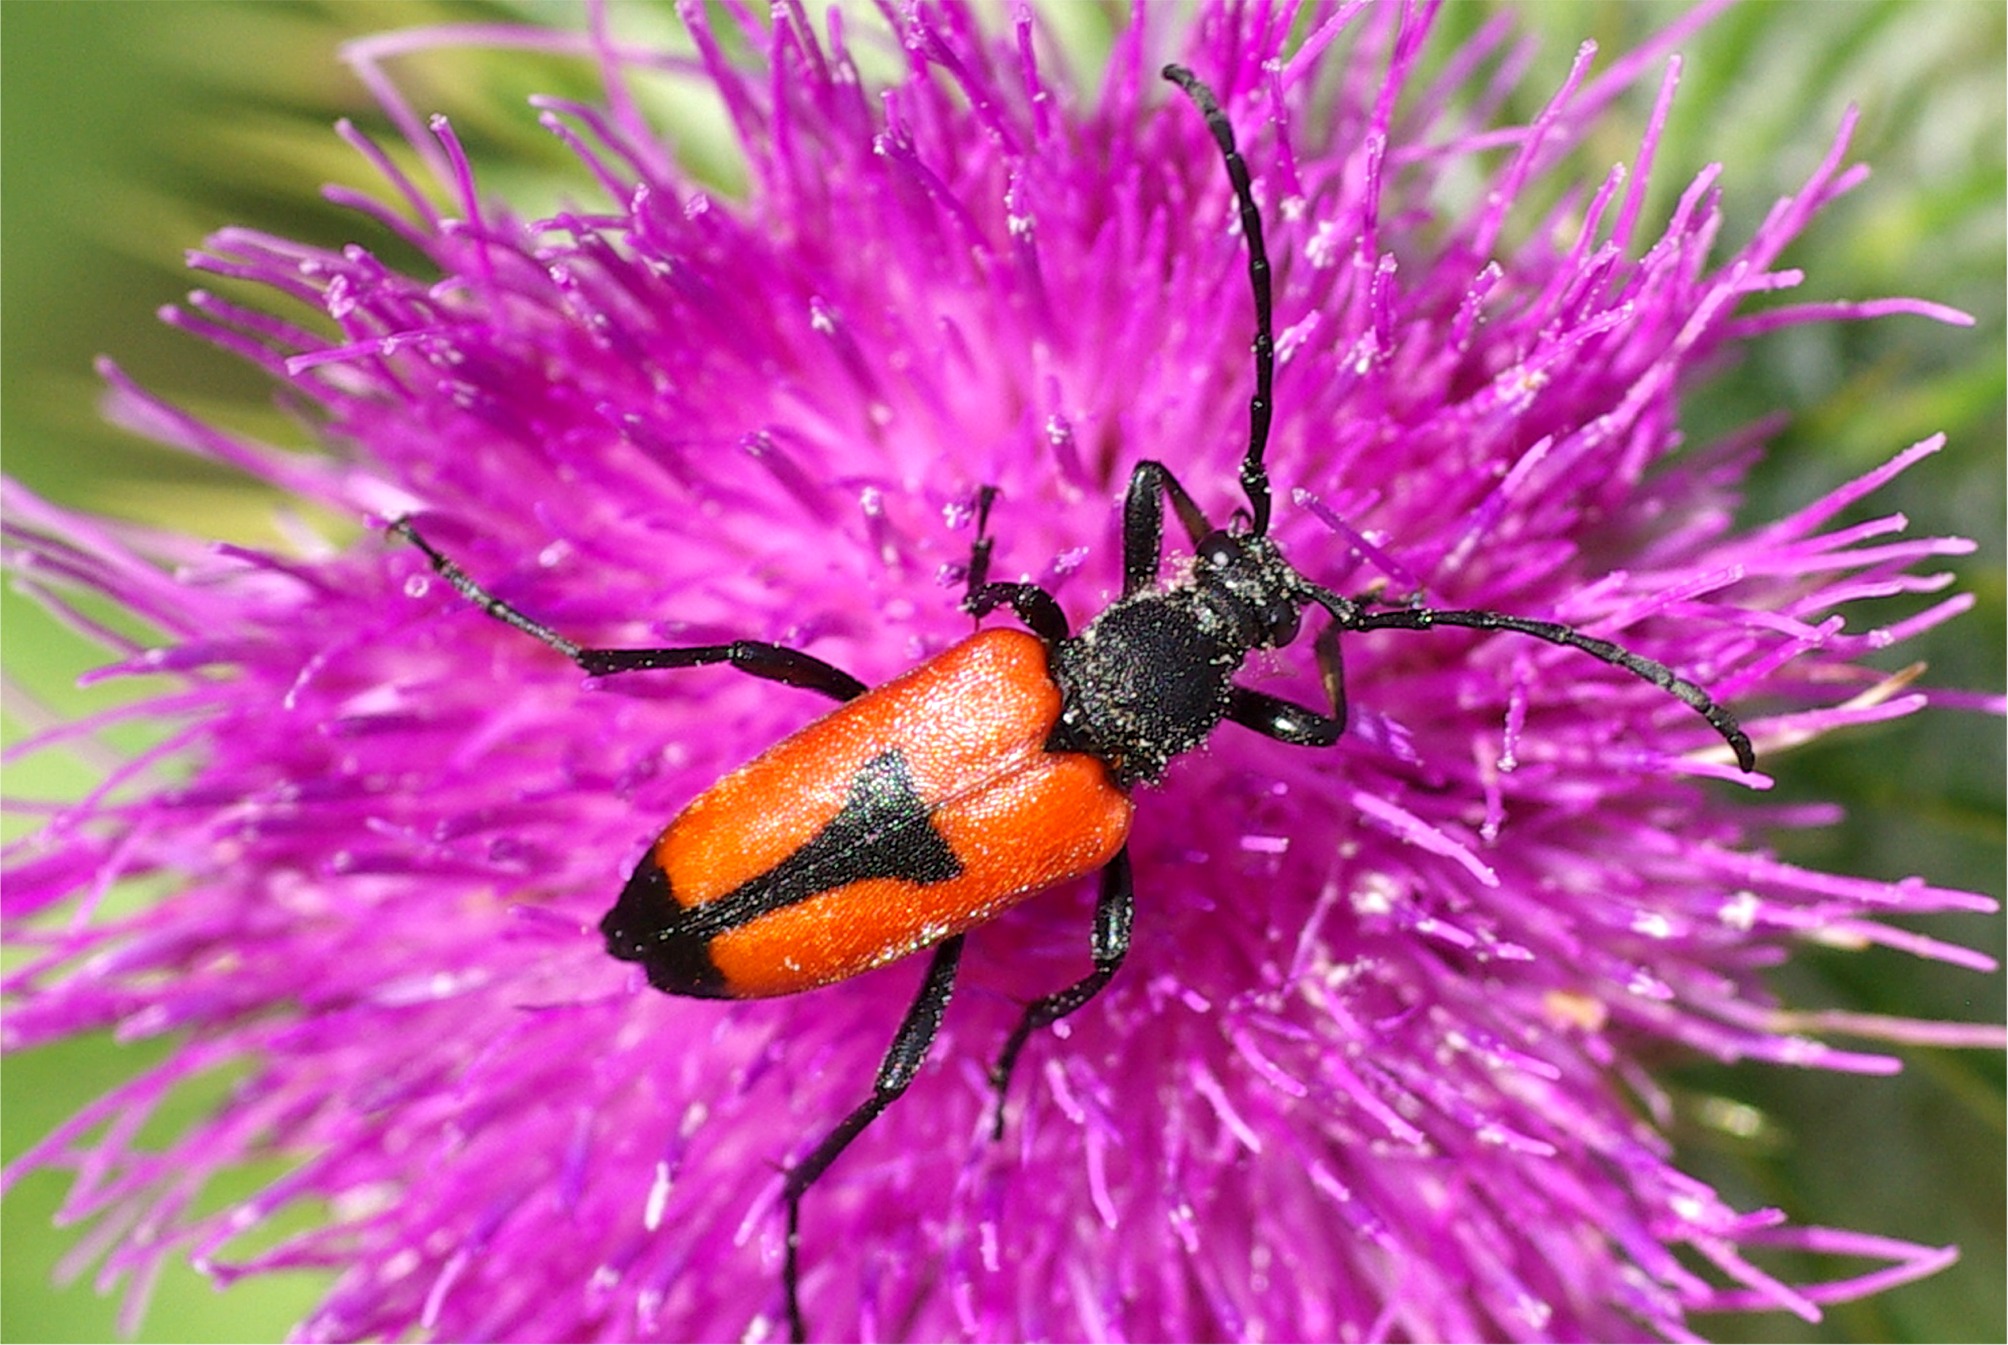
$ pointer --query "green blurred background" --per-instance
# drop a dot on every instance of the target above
(132, 129)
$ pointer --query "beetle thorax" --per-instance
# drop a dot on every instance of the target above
(1151, 676)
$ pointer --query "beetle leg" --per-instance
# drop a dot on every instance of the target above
(902, 1062)
(979, 550)
(1038, 609)
(1332, 671)
(1285, 721)
(1288, 722)
(773, 662)
(1114, 915)
(1150, 485)
(756, 658)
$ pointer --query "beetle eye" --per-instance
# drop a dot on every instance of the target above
(1219, 551)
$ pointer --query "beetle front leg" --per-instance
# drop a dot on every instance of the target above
(1150, 485)
(1285, 721)
(1289, 722)
(1332, 671)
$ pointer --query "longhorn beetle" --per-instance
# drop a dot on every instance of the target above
(1003, 766)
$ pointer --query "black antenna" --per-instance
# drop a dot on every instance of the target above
(1349, 616)
(1254, 477)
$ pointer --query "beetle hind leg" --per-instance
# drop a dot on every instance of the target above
(902, 1062)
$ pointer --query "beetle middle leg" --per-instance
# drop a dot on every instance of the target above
(1115, 912)
(1038, 609)
(757, 658)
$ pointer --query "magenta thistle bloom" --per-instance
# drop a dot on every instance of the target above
(1376, 1065)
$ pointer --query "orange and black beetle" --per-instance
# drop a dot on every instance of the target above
(998, 768)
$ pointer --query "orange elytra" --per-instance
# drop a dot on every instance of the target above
(912, 813)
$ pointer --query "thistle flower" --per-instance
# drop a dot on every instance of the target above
(1378, 1063)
